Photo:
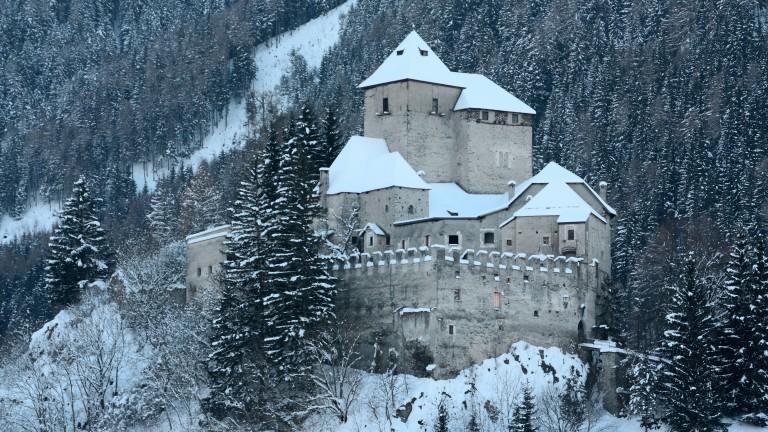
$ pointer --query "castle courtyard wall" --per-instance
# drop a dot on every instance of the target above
(464, 311)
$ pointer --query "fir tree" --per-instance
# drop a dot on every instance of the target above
(744, 335)
(642, 393)
(525, 413)
(164, 216)
(573, 411)
(299, 294)
(473, 425)
(331, 143)
(441, 422)
(79, 254)
(307, 136)
(688, 375)
(201, 203)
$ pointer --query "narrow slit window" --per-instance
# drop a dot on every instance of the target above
(370, 241)
(497, 300)
(199, 272)
(451, 329)
(387, 240)
(210, 270)
(457, 294)
(385, 105)
(402, 244)
(435, 106)
(427, 240)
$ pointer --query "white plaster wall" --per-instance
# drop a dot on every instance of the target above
(206, 255)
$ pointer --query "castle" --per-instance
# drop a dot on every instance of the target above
(457, 250)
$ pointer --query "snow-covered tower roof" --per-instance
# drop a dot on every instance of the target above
(414, 60)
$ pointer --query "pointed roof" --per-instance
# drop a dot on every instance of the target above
(414, 60)
(366, 164)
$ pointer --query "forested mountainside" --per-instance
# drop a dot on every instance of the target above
(94, 86)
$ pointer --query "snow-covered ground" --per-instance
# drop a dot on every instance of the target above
(272, 58)
(40, 217)
(497, 382)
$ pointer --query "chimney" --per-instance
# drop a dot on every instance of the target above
(323, 185)
(511, 189)
(603, 190)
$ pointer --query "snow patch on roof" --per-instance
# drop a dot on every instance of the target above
(414, 60)
(558, 199)
(366, 164)
(375, 228)
(210, 233)
(450, 200)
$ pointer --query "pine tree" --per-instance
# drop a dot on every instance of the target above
(689, 372)
(642, 393)
(307, 136)
(331, 143)
(441, 422)
(744, 335)
(164, 216)
(201, 203)
(473, 425)
(79, 254)
(525, 413)
(573, 411)
(299, 293)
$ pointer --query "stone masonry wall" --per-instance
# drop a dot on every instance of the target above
(464, 311)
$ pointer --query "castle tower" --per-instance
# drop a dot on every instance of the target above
(456, 127)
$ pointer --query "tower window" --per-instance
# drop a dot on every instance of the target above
(457, 294)
(536, 313)
(488, 238)
(545, 240)
(385, 105)
(370, 241)
(423, 52)
(451, 329)
(435, 106)
(400, 52)
(509, 242)
(571, 234)
(453, 239)
(427, 240)
(484, 115)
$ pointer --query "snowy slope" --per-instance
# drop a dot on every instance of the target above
(311, 40)
(498, 382)
(272, 58)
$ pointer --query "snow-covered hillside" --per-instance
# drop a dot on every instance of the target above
(272, 59)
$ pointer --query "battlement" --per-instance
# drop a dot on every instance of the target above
(482, 260)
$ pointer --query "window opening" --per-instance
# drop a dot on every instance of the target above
(515, 118)
(387, 240)
(385, 105)
(536, 313)
(370, 241)
(509, 242)
(453, 239)
(410, 209)
(497, 300)
(484, 115)
(435, 106)
(423, 52)
(427, 240)
(488, 238)
(571, 234)
(545, 240)
(451, 329)
(400, 52)
(199, 272)
(457, 294)
(402, 244)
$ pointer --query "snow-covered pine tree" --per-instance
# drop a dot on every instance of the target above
(237, 362)
(689, 372)
(441, 422)
(164, 216)
(744, 335)
(201, 203)
(307, 136)
(298, 292)
(473, 425)
(642, 393)
(525, 412)
(573, 411)
(332, 144)
(79, 254)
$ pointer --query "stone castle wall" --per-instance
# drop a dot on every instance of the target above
(462, 311)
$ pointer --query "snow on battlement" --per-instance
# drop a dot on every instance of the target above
(483, 260)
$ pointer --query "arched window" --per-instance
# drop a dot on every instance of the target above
(410, 209)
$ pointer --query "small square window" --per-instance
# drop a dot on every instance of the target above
(525, 278)
(488, 238)
(509, 242)
(545, 240)
(536, 313)
(435, 106)
(453, 239)
(484, 115)
(451, 329)
(400, 52)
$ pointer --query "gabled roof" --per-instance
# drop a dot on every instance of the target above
(375, 228)
(557, 198)
(366, 164)
(414, 60)
(450, 200)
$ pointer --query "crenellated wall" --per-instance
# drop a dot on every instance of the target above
(465, 306)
